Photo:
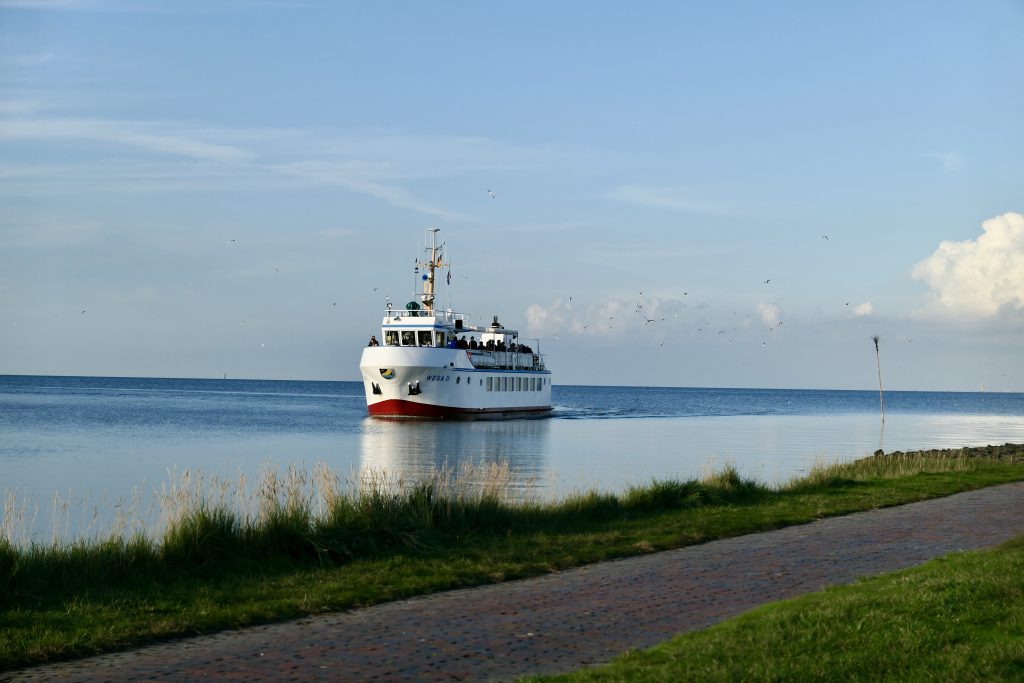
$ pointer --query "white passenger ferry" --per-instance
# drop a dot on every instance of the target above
(431, 363)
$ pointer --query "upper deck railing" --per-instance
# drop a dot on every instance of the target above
(506, 360)
(424, 317)
(448, 329)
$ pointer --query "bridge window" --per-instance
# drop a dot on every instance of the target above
(424, 337)
(391, 338)
(408, 338)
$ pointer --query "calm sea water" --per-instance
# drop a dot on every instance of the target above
(103, 438)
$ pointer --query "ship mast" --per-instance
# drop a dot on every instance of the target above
(435, 260)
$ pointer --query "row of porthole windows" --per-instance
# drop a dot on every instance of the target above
(516, 383)
(511, 383)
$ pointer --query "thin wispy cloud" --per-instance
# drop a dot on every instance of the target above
(153, 6)
(625, 255)
(433, 155)
(52, 4)
(46, 232)
(343, 175)
(150, 137)
(25, 61)
(661, 197)
(949, 161)
(172, 156)
(17, 107)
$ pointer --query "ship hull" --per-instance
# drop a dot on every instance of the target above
(403, 408)
(443, 383)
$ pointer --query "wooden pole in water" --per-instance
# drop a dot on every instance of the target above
(878, 361)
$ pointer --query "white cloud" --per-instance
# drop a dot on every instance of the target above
(982, 277)
(610, 318)
(863, 309)
(562, 317)
(769, 313)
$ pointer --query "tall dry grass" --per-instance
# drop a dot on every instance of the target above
(198, 521)
(202, 523)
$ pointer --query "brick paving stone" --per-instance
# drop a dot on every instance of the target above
(572, 619)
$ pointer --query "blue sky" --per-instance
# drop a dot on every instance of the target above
(194, 189)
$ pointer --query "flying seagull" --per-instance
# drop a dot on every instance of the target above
(490, 193)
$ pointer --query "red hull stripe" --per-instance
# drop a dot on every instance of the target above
(398, 407)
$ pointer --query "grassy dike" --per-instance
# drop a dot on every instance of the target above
(215, 568)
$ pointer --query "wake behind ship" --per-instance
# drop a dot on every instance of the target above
(431, 363)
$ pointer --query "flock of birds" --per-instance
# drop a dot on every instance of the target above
(644, 308)
(646, 314)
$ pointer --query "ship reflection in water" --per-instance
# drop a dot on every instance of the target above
(417, 450)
